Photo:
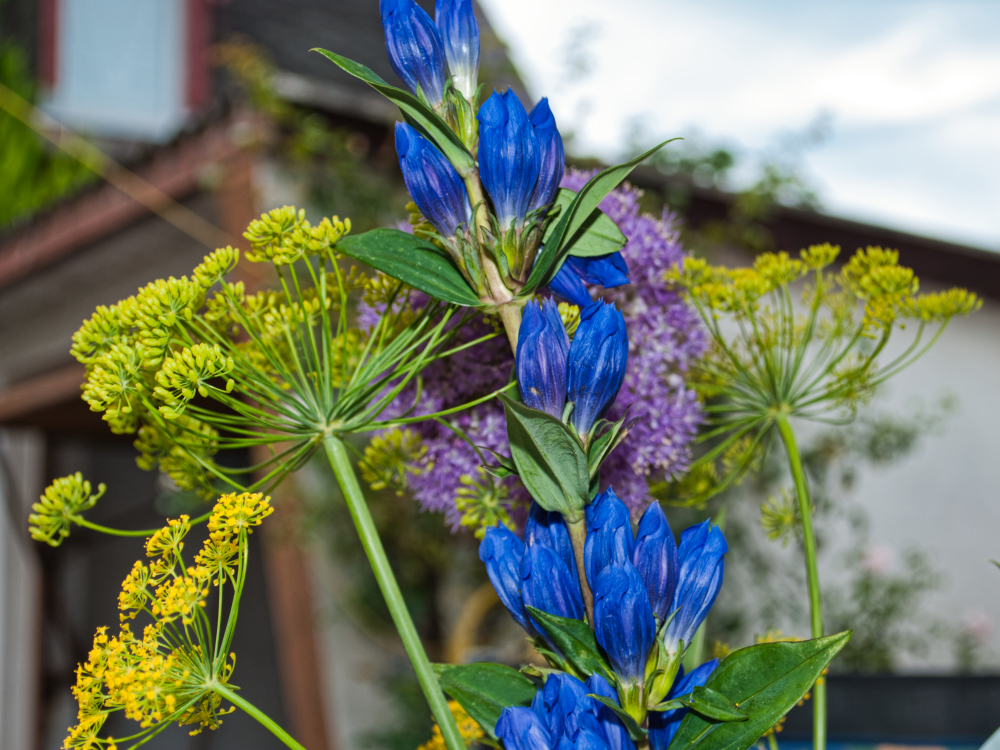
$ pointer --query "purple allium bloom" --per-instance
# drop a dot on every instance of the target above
(664, 339)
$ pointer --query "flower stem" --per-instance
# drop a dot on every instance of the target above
(812, 571)
(510, 314)
(578, 537)
(259, 715)
(340, 462)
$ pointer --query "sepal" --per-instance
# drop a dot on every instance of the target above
(636, 733)
(577, 642)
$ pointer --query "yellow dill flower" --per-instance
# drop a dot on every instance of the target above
(96, 336)
(168, 542)
(215, 266)
(467, 726)
(116, 386)
(187, 373)
(60, 507)
(179, 448)
(779, 517)
(482, 501)
(159, 306)
(235, 513)
(390, 456)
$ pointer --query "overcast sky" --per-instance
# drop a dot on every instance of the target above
(909, 92)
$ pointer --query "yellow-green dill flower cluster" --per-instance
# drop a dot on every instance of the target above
(198, 364)
(818, 358)
(390, 456)
(60, 507)
(172, 674)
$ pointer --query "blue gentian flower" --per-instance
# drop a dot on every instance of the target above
(569, 287)
(415, 49)
(609, 534)
(699, 580)
(460, 34)
(663, 725)
(520, 728)
(549, 585)
(596, 368)
(432, 181)
(549, 528)
(655, 558)
(558, 703)
(585, 739)
(509, 156)
(569, 282)
(503, 553)
(553, 158)
(542, 351)
(613, 730)
(623, 620)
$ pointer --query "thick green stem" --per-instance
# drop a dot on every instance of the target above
(510, 314)
(260, 716)
(340, 462)
(578, 537)
(812, 571)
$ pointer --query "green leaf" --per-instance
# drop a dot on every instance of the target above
(671, 705)
(637, 733)
(411, 260)
(576, 641)
(599, 235)
(713, 705)
(485, 689)
(608, 440)
(764, 681)
(576, 215)
(504, 467)
(418, 114)
(549, 459)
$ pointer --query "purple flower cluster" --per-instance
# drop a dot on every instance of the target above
(664, 338)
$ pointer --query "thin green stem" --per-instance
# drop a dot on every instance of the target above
(259, 715)
(812, 571)
(79, 521)
(578, 537)
(343, 469)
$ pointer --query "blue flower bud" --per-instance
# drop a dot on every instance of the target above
(562, 702)
(460, 33)
(585, 739)
(568, 286)
(597, 360)
(542, 350)
(623, 621)
(608, 271)
(553, 158)
(520, 728)
(509, 156)
(655, 558)
(432, 181)
(549, 585)
(549, 528)
(663, 725)
(612, 729)
(698, 582)
(414, 46)
(609, 535)
(503, 553)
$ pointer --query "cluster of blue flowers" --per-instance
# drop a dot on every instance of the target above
(649, 597)
(563, 715)
(501, 207)
(587, 373)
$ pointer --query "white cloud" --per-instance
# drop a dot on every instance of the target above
(914, 89)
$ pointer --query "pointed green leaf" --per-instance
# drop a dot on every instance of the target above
(637, 733)
(418, 114)
(671, 705)
(549, 459)
(713, 705)
(485, 689)
(610, 439)
(504, 467)
(578, 213)
(576, 641)
(599, 235)
(764, 681)
(411, 260)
